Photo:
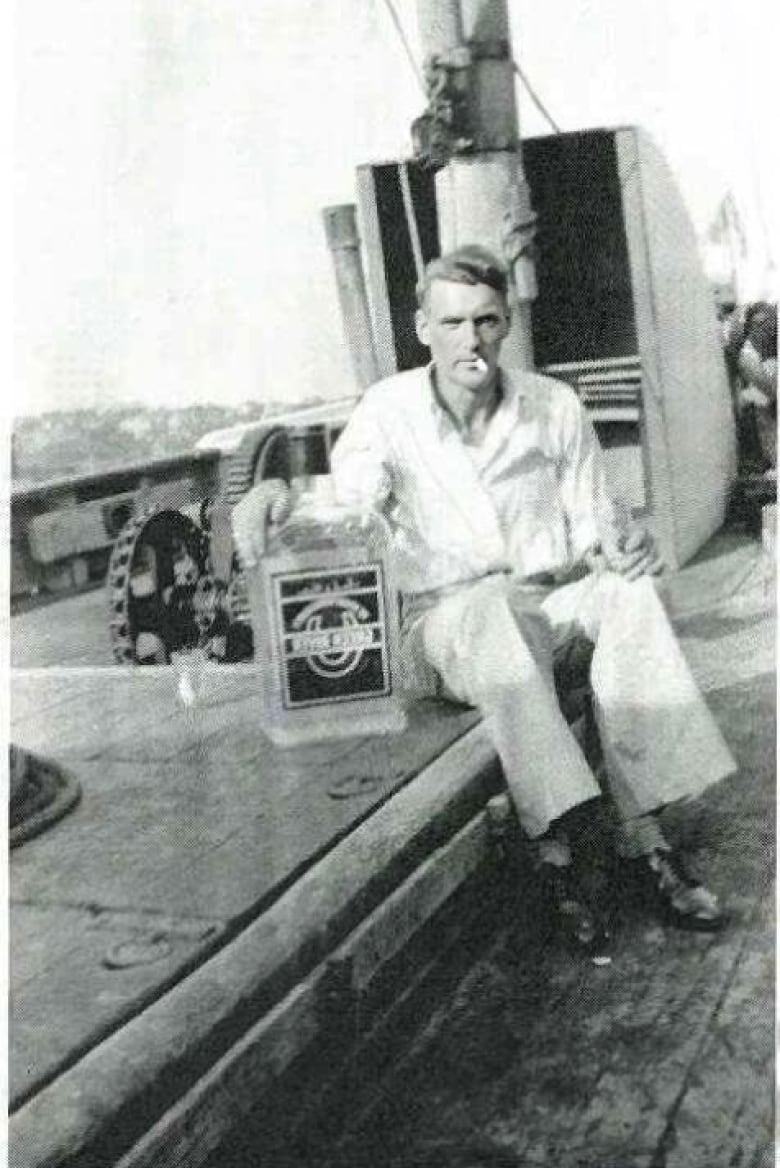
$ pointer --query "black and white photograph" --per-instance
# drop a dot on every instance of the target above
(391, 686)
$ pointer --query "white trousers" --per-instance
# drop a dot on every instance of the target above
(492, 644)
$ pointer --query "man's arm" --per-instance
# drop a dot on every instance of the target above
(361, 459)
(602, 532)
(361, 478)
(760, 375)
(265, 505)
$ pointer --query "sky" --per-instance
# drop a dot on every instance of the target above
(171, 161)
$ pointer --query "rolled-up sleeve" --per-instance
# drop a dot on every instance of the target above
(361, 460)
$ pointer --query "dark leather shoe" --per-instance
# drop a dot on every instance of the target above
(680, 899)
(569, 912)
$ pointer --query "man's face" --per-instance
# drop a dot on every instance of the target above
(464, 326)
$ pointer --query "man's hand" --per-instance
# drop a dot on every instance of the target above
(752, 396)
(632, 555)
(266, 504)
(759, 373)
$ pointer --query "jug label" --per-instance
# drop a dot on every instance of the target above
(332, 634)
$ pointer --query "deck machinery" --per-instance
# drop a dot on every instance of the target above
(174, 579)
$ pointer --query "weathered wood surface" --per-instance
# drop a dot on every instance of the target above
(665, 1059)
(180, 868)
(72, 631)
(117, 1090)
(190, 823)
(199, 1124)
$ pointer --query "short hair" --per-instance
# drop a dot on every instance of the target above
(469, 264)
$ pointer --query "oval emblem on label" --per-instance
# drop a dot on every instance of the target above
(331, 633)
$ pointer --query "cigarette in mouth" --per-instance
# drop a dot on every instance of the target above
(480, 364)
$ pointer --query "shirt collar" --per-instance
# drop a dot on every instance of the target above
(514, 393)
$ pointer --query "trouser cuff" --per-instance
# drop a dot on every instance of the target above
(641, 835)
(552, 850)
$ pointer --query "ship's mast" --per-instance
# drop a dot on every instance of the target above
(481, 192)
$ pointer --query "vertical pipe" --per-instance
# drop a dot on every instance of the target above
(482, 197)
(439, 24)
(344, 243)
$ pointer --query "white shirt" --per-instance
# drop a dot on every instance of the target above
(529, 499)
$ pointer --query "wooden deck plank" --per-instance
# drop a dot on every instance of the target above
(179, 820)
(723, 1118)
(662, 1060)
(72, 630)
(189, 814)
(42, 936)
(215, 794)
(84, 989)
(192, 1131)
(226, 1097)
(158, 1049)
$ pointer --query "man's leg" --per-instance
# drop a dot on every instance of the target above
(660, 742)
(659, 739)
(498, 657)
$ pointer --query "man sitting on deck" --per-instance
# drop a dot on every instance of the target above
(507, 546)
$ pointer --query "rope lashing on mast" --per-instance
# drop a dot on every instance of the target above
(441, 131)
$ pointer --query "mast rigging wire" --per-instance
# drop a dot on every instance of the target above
(411, 219)
(405, 42)
(535, 97)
